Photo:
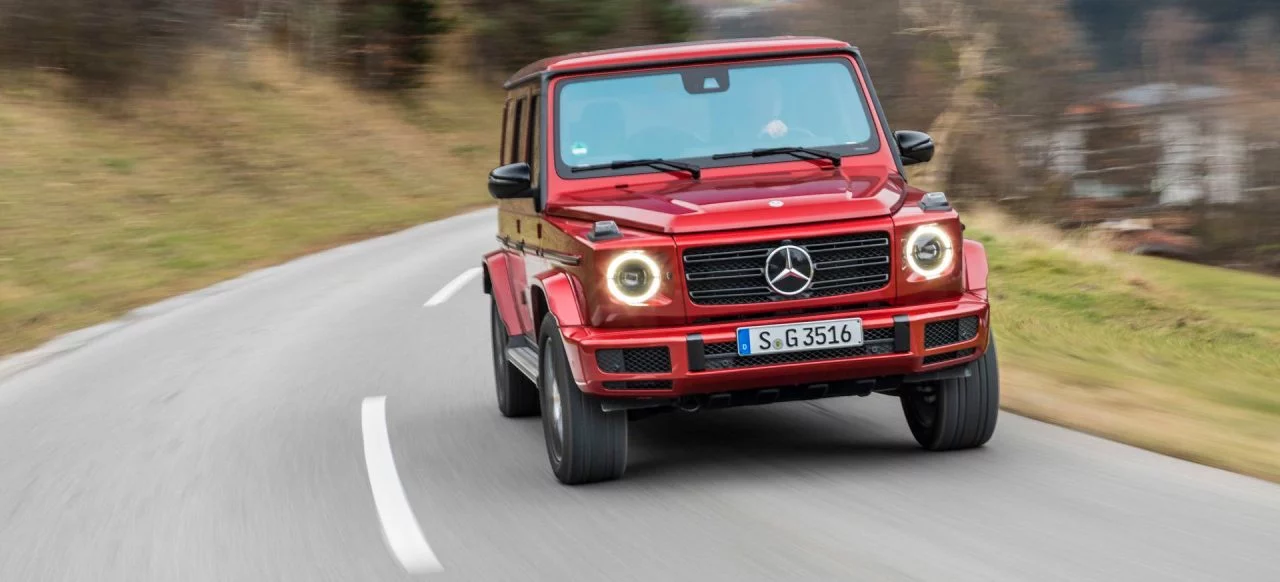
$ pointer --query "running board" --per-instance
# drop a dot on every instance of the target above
(525, 359)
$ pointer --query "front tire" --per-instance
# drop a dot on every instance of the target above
(959, 413)
(517, 395)
(585, 444)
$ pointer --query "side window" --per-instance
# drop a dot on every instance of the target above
(517, 128)
(532, 146)
(506, 134)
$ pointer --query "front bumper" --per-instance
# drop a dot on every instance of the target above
(700, 362)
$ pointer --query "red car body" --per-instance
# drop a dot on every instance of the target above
(550, 264)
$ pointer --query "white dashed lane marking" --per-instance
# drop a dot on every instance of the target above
(452, 287)
(399, 527)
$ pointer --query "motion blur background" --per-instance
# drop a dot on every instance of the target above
(1120, 159)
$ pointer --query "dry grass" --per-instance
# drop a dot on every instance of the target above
(1169, 356)
(103, 212)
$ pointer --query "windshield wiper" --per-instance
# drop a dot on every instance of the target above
(793, 150)
(694, 171)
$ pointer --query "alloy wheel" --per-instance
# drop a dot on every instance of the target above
(557, 403)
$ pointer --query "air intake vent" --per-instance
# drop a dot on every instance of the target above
(951, 331)
(634, 360)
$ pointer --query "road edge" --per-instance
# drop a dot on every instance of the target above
(14, 364)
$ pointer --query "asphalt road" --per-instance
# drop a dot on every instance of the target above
(220, 437)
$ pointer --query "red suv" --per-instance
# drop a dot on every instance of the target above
(713, 224)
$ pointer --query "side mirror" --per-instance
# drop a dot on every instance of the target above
(511, 181)
(916, 146)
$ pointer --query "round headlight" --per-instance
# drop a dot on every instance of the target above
(929, 251)
(632, 277)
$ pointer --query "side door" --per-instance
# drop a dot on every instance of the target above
(534, 229)
(516, 217)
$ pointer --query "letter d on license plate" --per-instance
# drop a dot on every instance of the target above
(799, 337)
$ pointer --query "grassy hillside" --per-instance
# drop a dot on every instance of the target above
(100, 213)
(1170, 356)
(103, 212)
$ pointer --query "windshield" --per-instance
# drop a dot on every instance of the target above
(697, 112)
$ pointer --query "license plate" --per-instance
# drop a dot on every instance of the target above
(799, 337)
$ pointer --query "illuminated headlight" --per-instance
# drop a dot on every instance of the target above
(632, 277)
(929, 251)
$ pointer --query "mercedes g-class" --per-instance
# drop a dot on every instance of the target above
(713, 224)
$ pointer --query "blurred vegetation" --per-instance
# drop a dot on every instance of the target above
(509, 34)
(1116, 26)
(100, 214)
(387, 44)
(107, 47)
(114, 48)
(1171, 356)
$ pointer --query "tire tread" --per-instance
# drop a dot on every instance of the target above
(517, 395)
(595, 447)
(967, 408)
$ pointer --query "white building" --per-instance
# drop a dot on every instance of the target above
(1185, 131)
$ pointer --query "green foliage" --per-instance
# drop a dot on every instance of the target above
(508, 34)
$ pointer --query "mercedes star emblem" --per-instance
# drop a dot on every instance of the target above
(788, 270)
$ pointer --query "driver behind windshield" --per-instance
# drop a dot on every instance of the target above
(765, 119)
(813, 104)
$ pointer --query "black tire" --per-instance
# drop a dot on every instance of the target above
(517, 395)
(956, 414)
(591, 444)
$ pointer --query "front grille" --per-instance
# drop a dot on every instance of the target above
(634, 360)
(638, 385)
(947, 357)
(734, 274)
(951, 331)
(723, 356)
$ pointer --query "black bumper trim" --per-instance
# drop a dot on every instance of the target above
(697, 353)
(901, 334)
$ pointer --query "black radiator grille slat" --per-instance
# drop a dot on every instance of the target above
(846, 281)
(734, 274)
(950, 331)
(724, 355)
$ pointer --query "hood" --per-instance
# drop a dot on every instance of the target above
(713, 204)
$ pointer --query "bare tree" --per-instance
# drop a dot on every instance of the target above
(1014, 74)
(972, 43)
